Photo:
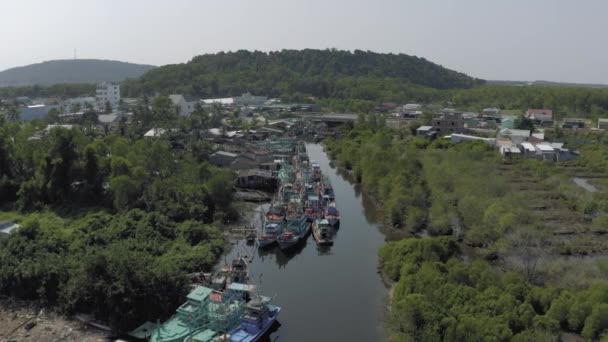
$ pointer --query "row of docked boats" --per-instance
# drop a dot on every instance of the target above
(304, 202)
(226, 309)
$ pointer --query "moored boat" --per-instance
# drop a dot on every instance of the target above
(332, 215)
(272, 226)
(322, 232)
(259, 317)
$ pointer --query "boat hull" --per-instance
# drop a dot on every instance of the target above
(242, 335)
(267, 242)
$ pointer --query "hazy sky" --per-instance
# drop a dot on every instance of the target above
(559, 40)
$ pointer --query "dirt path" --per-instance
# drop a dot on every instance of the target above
(26, 322)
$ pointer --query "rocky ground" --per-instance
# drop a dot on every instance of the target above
(26, 322)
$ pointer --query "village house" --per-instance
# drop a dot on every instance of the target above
(573, 123)
(256, 179)
(541, 117)
(602, 123)
(425, 131)
(223, 158)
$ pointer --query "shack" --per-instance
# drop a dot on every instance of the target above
(256, 179)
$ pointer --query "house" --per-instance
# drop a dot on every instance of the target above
(448, 122)
(243, 163)
(411, 107)
(545, 152)
(492, 112)
(424, 131)
(107, 93)
(528, 149)
(155, 132)
(110, 120)
(222, 158)
(256, 179)
(540, 115)
(226, 101)
(184, 107)
(573, 123)
(602, 123)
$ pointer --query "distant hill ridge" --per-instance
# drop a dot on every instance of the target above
(72, 71)
(322, 73)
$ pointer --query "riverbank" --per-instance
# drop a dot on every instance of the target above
(22, 321)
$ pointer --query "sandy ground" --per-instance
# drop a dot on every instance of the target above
(26, 322)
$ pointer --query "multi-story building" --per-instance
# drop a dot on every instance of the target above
(448, 122)
(107, 93)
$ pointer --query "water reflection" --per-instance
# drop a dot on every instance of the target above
(282, 257)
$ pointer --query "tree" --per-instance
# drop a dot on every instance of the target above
(108, 108)
(522, 122)
(12, 113)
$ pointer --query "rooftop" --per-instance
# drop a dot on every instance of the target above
(199, 293)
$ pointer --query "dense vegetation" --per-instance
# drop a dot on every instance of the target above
(111, 224)
(321, 73)
(438, 297)
(71, 71)
(514, 219)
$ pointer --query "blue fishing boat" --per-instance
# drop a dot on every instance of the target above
(259, 317)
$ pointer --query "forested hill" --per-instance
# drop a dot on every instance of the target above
(322, 73)
(71, 71)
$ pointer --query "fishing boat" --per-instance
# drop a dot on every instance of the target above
(332, 215)
(316, 171)
(322, 232)
(272, 226)
(204, 315)
(313, 208)
(259, 317)
(296, 225)
(239, 272)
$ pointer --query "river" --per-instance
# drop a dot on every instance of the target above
(327, 295)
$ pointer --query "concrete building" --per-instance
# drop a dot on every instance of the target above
(185, 108)
(602, 123)
(107, 93)
(424, 131)
(448, 122)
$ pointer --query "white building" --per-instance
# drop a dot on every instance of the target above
(185, 107)
(107, 92)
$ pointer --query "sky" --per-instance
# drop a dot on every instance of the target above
(556, 40)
